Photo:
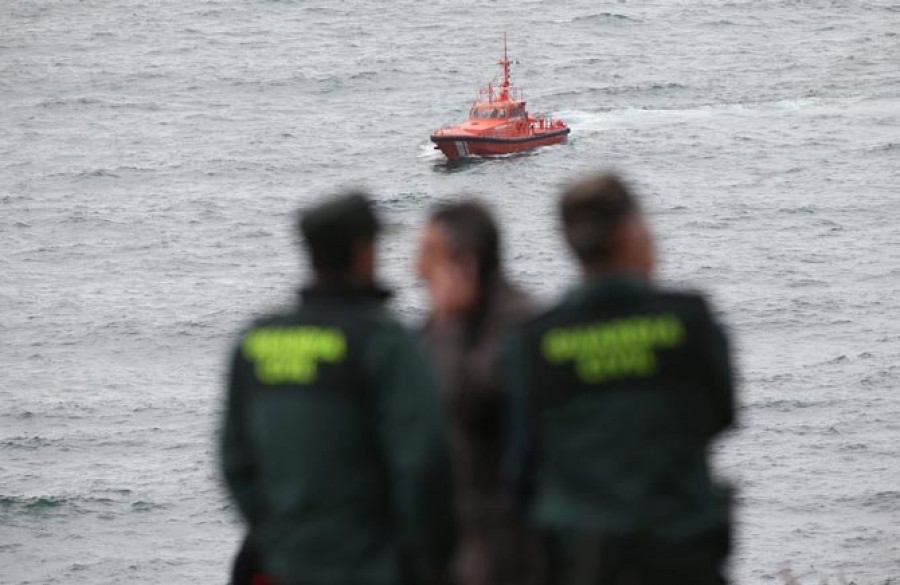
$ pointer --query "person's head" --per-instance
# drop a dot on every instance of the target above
(605, 228)
(459, 258)
(339, 236)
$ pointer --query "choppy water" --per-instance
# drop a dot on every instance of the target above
(152, 153)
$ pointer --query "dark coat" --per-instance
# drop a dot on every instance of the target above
(618, 392)
(495, 547)
(332, 446)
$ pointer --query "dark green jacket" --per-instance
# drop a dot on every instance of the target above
(332, 445)
(618, 392)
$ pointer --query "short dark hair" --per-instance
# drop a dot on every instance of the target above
(591, 210)
(471, 228)
(330, 230)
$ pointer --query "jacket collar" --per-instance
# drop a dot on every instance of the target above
(344, 291)
(607, 287)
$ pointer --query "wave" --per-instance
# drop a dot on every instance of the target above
(143, 506)
(404, 201)
(118, 501)
(888, 147)
(35, 503)
(603, 17)
(788, 405)
(62, 102)
(364, 75)
(26, 443)
(79, 216)
(882, 501)
(56, 102)
(116, 172)
(95, 173)
(49, 505)
(612, 90)
(800, 210)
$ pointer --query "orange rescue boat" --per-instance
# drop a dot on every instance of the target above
(499, 124)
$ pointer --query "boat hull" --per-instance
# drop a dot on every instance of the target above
(467, 145)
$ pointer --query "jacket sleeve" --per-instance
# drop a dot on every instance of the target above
(236, 454)
(521, 457)
(410, 434)
(719, 371)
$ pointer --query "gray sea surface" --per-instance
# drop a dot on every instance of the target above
(152, 154)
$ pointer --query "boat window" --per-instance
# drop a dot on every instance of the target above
(496, 113)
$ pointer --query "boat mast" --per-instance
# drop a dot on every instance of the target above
(504, 62)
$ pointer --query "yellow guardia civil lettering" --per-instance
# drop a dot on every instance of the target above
(613, 349)
(290, 355)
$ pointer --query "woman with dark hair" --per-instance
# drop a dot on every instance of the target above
(472, 307)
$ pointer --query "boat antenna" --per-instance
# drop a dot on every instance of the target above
(504, 62)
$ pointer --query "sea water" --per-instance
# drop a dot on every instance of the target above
(152, 156)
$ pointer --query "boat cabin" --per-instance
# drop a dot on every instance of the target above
(510, 110)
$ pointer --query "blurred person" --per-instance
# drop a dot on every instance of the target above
(472, 307)
(332, 444)
(618, 392)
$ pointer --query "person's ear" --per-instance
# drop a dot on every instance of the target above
(364, 259)
(635, 248)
